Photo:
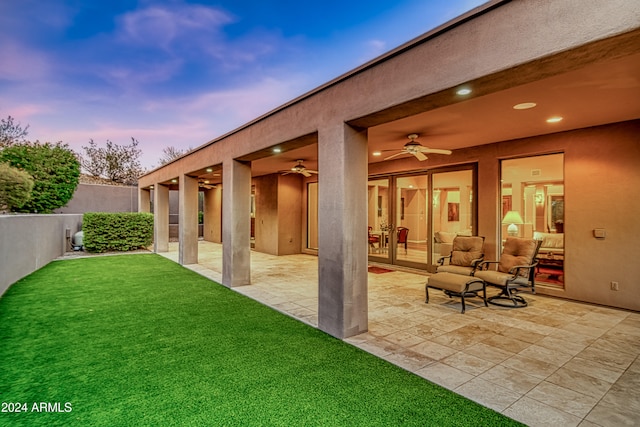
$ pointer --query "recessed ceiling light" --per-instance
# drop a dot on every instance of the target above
(463, 91)
(376, 153)
(277, 150)
(209, 170)
(524, 106)
(554, 119)
(174, 180)
(206, 181)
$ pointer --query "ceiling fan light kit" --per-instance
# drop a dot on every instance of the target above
(416, 149)
(300, 169)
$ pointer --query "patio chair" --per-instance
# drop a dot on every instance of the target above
(403, 234)
(466, 254)
(513, 273)
(373, 240)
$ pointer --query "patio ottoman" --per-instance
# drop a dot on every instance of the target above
(457, 285)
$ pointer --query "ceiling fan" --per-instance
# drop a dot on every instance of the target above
(301, 169)
(206, 185)
(414, 148)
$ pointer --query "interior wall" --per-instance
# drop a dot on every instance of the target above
(601, 187)
(212, 211)
(266, 199)
(278, 201)
(289, 214)
(601, 177)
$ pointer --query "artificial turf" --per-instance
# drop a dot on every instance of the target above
(137, 340)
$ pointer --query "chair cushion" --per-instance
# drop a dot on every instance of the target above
(517, 251)
(466, 249)
(498, 278)
(454, 282)
(456, 269)
(444, 237)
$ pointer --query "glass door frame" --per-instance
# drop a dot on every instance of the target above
(390, 255)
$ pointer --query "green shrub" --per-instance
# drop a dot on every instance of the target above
(55, 171)
(117, 231)
(15, 187)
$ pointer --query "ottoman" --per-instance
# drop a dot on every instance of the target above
(457, 285)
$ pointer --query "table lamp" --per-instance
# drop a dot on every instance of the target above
(512, 218)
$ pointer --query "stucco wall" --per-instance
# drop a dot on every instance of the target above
(290, 214)
(101, 198)
(30, 242)
(278, 214)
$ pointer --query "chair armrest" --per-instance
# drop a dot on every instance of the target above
(484, 265)
(442, 258)
(475, 263)
(515, 270)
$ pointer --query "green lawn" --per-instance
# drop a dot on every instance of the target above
(139, 340)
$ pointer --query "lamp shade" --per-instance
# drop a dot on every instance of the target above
(512, 217)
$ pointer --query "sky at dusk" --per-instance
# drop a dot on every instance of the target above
(179, 72)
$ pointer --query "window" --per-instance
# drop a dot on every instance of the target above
(533, 207)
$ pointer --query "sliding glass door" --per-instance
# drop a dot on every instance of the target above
(411, 220)
(379, 219)
(453, 210)
(414, 217)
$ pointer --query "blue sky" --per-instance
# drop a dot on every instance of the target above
(180, 72)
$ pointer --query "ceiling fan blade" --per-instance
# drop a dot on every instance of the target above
(420, 156)
(305, 173)
(396, 155)
(435, 151)
(310, 171)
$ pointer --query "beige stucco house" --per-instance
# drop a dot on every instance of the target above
(568, 165)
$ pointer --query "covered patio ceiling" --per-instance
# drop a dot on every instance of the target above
(598, 85)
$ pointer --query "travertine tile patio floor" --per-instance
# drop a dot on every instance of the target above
(555, 362)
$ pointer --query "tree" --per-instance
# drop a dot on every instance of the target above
(171, 153)
(15, 187)
(11, 133)
(54, 168)
(118, 163)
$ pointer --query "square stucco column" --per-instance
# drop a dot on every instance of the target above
(236, 223)
(144, 200)
(342, 229)
(161, 218)
(188, 222)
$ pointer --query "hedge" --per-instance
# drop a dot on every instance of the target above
(117, 231)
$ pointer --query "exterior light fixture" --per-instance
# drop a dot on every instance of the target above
(209, 170)
(277, 150)
(554, 119)
(174, 180)
(524, 106)
(376, 153)
(463, 91)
